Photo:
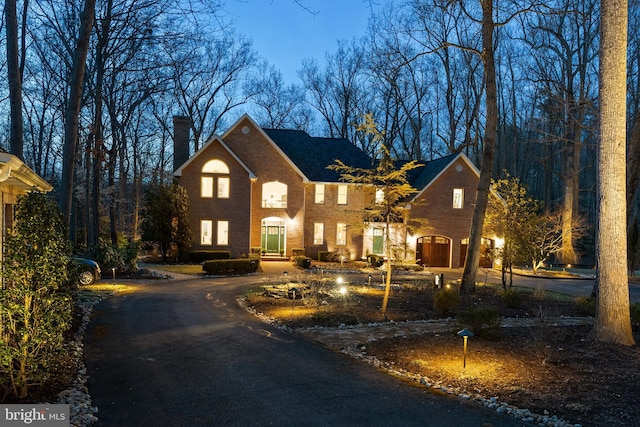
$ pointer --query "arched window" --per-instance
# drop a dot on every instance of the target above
(213, 178)
(274, 195)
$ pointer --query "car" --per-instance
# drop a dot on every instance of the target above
(88, 271)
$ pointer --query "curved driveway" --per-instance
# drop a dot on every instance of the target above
(182, 353)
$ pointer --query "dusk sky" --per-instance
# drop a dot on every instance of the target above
(285, 34)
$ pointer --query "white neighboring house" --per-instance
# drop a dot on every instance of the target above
(16, 178)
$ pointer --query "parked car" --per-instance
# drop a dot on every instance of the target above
(88, 271)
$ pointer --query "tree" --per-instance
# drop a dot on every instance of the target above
(35, 303)
(165, 219)
(15, 77)
(73, 109)
(613, 321)
(391, 181)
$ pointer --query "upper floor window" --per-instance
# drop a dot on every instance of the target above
(319, 193)
(274, 195)
(342, 194)
(458, 198)
(213, 178)
(379, 195)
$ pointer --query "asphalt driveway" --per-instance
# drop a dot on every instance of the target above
(182, 353)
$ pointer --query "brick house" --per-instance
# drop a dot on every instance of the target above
(269, 190)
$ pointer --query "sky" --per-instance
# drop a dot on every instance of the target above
(285, 33)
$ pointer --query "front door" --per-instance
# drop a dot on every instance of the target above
(273, 232)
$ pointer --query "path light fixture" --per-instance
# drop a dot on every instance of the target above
(465, 333)
(342, 289)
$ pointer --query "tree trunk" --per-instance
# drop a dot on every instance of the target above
(613, 322)
(491, 128)
(16, 139)
(73, 110)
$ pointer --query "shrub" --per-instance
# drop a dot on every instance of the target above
(35, 301)
(510, 298)
(323, 256)
(446, 302)
(297, 251)
(480, 319)
(231, 266)
(301, 261)
(122, 256)
(375, 260)
(198, 257)
(586, 305)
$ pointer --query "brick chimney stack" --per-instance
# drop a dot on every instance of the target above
(181, 126)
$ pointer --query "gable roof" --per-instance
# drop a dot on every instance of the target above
(422, 178)
(312, 155)
(216, 139)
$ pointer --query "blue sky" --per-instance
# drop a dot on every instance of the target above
(285, 34)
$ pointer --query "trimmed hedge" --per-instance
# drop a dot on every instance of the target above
(198, 257)
(301, 261)
(323, 256)
(375, 260)
(231, 266)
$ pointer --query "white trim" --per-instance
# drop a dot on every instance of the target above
(217, 139)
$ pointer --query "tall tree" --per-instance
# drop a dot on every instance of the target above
(613, 322)
(73, 109)
(14, 72)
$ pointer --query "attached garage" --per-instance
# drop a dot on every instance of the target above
(433, 251)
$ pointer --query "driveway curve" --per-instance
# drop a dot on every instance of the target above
(183, 353)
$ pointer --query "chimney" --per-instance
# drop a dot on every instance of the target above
(181, 125)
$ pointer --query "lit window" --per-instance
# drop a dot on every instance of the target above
(458, 198)
(379, 195)
(223, 232)
(318, 233)
(342, 194)
(206, 232)
(319, 193)
(215, 166)
(274, 195)
(206, 186)
(341, 233)
(223, 187)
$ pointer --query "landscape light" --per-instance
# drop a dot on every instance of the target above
(465, 333)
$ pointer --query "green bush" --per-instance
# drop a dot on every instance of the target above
(511, 298)
(301, 261)
(231, 266)
(122, 256)
(198, 257)
(480, 319)
(35, 299)
(297, 251)
(446, 302)
(586, 305)
(375, 260)
(323, 256)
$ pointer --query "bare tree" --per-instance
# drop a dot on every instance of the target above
(14, 71)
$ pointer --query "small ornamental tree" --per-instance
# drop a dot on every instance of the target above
(388, 178)
(35, 299)
(165, 219)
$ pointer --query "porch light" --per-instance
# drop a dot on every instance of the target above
(465, 333)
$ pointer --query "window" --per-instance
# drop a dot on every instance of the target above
(223, 187)
(206, 232)
(342, 194)
(458, 198)
(206, 186)
(318, 233)
(223, 232)
(319, 194)
(341, 233)
(379, 195)
(274, 195)
(211, 179)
